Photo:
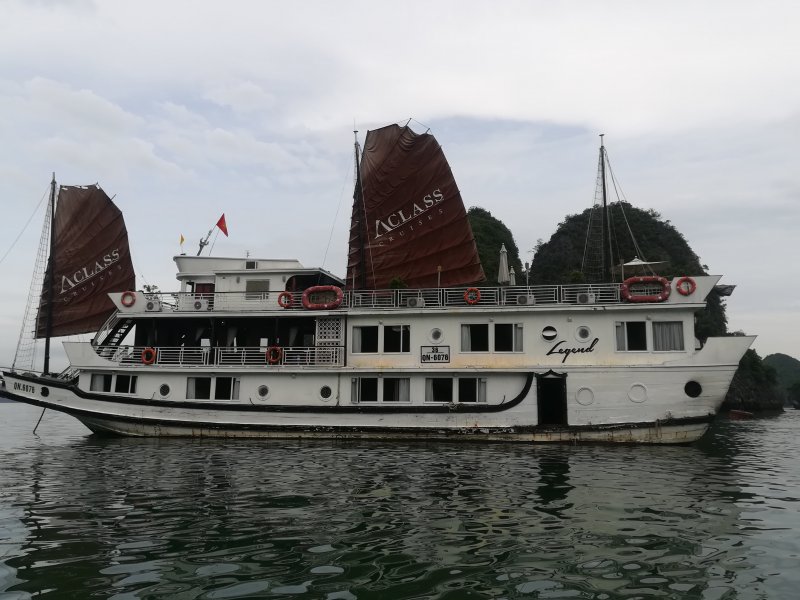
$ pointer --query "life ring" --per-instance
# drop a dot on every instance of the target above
(128, 299)
(274, 355)
(472, 296)
(285, 299)
(149, 356)
(686, 286)
(632, 296)
(319, 289)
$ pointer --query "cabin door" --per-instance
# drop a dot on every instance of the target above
(551, 396)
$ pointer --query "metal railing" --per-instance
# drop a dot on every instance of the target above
(608, 293)
(181, 356)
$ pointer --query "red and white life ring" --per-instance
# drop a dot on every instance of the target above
(274, 355)
(128, 299)
(686, 286)
(149, 356)
(321, 289)
(285, 299)
(472, 295)
(631, 296)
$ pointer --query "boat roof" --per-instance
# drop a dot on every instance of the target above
(194, 266)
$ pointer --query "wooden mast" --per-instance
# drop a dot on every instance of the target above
(606, 225)
(49, 277)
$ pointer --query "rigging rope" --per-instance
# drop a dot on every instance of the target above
(28, 222)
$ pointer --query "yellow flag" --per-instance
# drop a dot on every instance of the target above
(182, 239)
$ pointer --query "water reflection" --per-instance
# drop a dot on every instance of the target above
(129, 518)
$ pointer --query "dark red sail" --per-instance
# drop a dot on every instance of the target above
(409, 223)
(90, 258)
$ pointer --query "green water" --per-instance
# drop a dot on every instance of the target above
(85, 517)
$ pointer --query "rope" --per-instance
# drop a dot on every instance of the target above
(28, 222)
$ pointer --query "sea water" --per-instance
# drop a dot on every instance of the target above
(124, 518)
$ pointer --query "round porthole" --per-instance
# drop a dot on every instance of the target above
(583, 333)
(436, 335)
(45, 392)
(325, 392)
(263, 391)
(164, 390)
(637, 393)
(549, 333)
(693, 389)
(584, 396)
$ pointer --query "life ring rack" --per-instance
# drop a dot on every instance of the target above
(285, 299)
(472, 295)
(274, 355)
(128, 299)
(631, 296)
(320, 289)
(149, 356)
(686, 286)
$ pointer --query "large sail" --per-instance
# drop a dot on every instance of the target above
(90, 258)
(409, 224)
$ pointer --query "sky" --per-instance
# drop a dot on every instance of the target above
(185, 110)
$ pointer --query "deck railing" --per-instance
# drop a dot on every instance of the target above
(135, 356)
(509, 296)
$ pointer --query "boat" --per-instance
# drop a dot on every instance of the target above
(412, 344)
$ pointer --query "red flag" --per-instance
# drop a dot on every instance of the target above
(222, 226)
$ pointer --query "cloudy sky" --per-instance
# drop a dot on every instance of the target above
(187, 109)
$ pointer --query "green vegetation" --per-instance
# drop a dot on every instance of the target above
(755, 386)
(787, 370)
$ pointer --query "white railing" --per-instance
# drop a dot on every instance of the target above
(181, 356)
(395, 299)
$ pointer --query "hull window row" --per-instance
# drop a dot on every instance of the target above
(200, 388)
(120, 384)
(396, 338)
(632, 336)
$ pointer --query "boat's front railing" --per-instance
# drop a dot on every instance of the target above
(182, 356)
(507, 296)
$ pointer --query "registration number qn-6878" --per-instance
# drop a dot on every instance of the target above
(435, 354)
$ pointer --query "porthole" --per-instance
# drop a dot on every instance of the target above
(164, 390)
(436, 335)
(549, 333)
(45, 392)
(637, 393)
(325, 392)
(584, 396)
(263, 391)
(693, 389)
(583, 333)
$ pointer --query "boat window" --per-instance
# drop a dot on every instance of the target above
(471, 389)
(100, 383)
(198, 388)
(667, 336)
(508, 337)
(365, 389)
(365, 339)
(475, 337)
(227, 388)
(256, 289)
(396, 338)
(126, 384)
(631, 336)
(395, 389)
(438, 389)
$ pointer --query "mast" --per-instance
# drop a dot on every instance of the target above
(362, 215)
(606, 225)
(49, 277)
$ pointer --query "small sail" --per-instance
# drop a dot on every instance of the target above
(409, 223)
(90, 258)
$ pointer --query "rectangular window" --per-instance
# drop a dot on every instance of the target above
(508, 337)
(256, 289)
(126, 384)
(667, 336)
(471, 389)
(395, 389)
(100, 383)
(227, 388)
(438, 389)
(475, 337)
(365, 389)
(365, 339)
(631, 336)
(198, 388)
(396, 338)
